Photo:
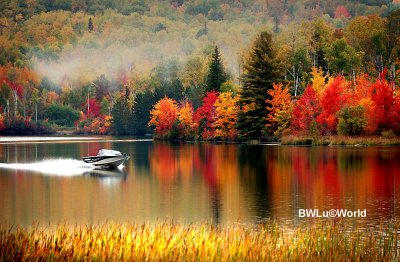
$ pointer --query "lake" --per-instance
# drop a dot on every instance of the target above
(46, 182)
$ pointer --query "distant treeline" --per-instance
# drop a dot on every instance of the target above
(213, 9)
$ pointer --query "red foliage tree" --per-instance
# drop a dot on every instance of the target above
(385, 113)
(396, 115)
(94, 108)
(341, 12)
(205, 116)
(333, 99)
(17, 88)
(306, 110)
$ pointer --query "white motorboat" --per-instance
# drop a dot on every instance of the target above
(107, 158)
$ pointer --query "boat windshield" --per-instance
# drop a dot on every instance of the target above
(107, 152)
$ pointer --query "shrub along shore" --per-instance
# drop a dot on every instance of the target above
(205, 242)
(340, 141)
(293, 140)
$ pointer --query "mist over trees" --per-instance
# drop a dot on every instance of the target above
(107, 63)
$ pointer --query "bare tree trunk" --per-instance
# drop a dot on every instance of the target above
(314, 59)
(393, 78)
(295, 80)
(15, 95)
(239, 75)
(88, 105)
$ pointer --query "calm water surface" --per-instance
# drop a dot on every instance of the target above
(47, 182)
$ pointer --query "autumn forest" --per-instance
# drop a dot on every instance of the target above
(203, 69)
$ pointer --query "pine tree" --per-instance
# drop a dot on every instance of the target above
(261, 70)
(143, 103)
(90, 25)
(216, 73)
(122, 114)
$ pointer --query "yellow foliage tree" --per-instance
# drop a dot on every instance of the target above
(280, 108)
(185, 119)
(318, 80)
(226, 108)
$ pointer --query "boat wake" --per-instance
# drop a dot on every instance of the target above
(56, 167)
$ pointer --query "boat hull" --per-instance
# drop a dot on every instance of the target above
(106, 161)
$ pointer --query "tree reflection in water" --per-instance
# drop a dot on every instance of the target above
(197, 182)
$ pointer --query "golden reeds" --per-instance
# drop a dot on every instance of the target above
(206, 242)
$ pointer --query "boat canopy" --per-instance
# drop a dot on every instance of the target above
(108, 152)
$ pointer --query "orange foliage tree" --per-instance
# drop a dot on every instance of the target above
(98, 126)
(50, 98)
(279, 107)
(362, 96)
(226, 108)
(2, 126)
(163, 117)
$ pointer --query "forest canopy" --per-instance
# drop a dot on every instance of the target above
(98, 59)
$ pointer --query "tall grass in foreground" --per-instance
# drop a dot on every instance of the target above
(165, 241)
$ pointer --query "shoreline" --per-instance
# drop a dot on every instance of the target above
(292, 140)
(289, 140)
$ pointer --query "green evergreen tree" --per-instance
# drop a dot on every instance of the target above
(122, 114)
(90, 25)
(216, 73)
(195, 94)
(261, 70)
(142, 105)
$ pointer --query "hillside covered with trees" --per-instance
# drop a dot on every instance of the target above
(202, 69)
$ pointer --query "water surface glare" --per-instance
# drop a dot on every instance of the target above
(194, 182)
